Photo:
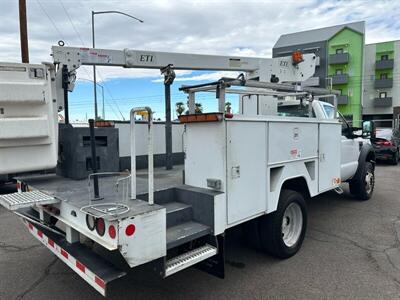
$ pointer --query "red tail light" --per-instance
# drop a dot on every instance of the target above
(130, 230)
(384, 143)
(112, 232)
(100, 226)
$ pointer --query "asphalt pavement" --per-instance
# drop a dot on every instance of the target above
(351, 250)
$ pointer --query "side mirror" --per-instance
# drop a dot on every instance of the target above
(368, 129)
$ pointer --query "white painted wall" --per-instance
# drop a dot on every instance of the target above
(158, 138)
(369, 92)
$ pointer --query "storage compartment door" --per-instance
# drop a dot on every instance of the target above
(246, 169)
(329, 156)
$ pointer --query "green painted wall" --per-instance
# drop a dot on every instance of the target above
(353, 43)
(389, 73)
(385, 48)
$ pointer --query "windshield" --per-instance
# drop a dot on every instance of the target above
(384, 133)
(293, 109)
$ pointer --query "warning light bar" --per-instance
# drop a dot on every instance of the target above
(197, 118)
(297, 57)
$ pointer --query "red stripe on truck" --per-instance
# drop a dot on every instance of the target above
(80, 266)
(50, 242)
(100, 282)
(64, 253)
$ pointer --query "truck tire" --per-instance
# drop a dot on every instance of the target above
(282, 232)
(363, 187)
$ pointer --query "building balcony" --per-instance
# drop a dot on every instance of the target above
(383, 102)
(342, 99)
(384, 64)
(383, 83)
(338, 58)
(340, 79)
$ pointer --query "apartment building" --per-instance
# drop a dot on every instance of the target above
(381, 94)
(340, 51)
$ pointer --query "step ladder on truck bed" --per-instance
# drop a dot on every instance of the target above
(181, 228)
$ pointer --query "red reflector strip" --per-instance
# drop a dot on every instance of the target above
(64, 253)
(100, 282)
(80, 266)
(96, 282)
(197, 118)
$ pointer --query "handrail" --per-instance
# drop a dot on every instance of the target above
(150, 153)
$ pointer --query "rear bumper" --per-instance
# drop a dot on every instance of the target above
(87, 264)
(386, 153)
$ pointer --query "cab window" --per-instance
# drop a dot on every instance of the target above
(329, 111)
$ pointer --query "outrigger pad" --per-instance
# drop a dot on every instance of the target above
(16, 201)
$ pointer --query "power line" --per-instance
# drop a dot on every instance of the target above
(72, 23)
(86, 71)
(51, 20)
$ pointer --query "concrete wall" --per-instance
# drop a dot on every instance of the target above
(141, 145)
(369, 92)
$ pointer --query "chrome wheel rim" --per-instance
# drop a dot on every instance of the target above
(292, 224)
(369, 182)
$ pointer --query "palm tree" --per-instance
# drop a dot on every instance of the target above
(198, 109)
(179, 108)
(228, 107)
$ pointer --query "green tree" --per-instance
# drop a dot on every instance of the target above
(198, 108)
(179, 108)
(228, 107)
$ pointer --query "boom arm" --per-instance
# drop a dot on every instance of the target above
(264, 68)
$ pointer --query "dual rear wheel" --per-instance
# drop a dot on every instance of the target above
(282, 232)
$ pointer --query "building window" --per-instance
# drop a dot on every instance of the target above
(384, 76)
(339, 72)
(383, 95)
(384, 57)
(339, 51)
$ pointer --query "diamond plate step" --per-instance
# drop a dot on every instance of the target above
(188, 259)
(16, 201)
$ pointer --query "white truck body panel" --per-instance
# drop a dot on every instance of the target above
(329, 152)
(246, 169)
(254, 156)
(28, 118)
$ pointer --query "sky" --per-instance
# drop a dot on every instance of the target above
(244, 28)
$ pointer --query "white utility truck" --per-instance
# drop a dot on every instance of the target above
(257, 167)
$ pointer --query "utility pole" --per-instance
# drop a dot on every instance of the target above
(169, 76)
(23, 29)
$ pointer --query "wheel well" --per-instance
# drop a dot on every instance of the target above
(371, 157)
(298, 184)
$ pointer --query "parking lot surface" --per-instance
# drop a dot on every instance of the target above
(351, 250)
